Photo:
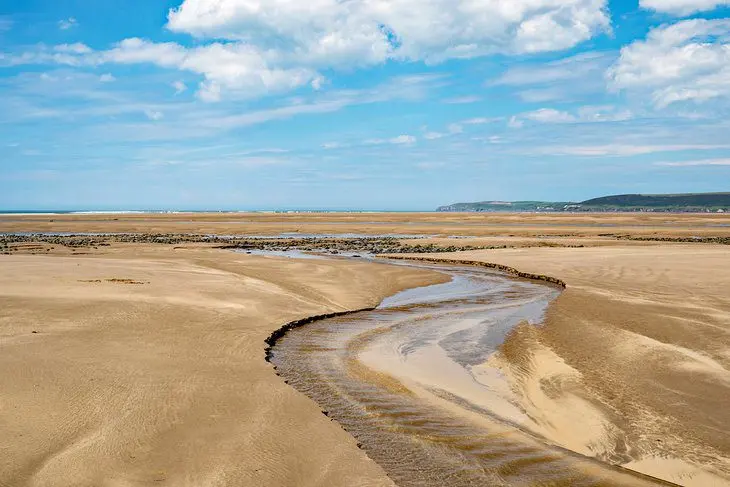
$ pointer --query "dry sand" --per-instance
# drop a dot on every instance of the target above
(633, 363)
(145, 366)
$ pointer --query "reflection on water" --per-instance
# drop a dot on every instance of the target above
(408, 381)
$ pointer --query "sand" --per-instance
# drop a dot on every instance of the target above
(148, 367)
(633, 363)
(145, 366)
(581, 225)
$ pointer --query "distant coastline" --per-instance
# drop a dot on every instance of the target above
(666, 203)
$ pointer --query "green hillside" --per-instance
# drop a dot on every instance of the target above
(690, 202)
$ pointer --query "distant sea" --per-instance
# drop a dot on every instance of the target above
(68, 212)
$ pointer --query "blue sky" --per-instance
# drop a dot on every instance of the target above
(365, 104)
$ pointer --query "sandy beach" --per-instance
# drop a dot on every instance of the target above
(428, 224)
(143, 364)
(632, 363)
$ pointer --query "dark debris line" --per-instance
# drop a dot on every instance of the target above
(369, 245)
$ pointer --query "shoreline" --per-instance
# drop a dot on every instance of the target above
(489, 265)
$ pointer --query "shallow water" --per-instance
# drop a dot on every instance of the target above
(409, 382)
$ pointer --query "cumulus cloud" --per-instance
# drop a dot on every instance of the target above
(283, 44)
(235, 68)
(249, 48)
(686, 61)
(327, 31)
(682, 7)
(107, 78)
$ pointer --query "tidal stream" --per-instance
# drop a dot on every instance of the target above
(410, 382)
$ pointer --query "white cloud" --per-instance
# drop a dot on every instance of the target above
(251, 48)
(403, 140)
(686, 61)
(154, 115)
(515, 123)
(327, 32)
(603, 113)
(703, 162)
(331, 145)
(409, 88)
(434, 135)
(462, 100)
(569, 68)
(180, 87)
(400, 140)
(585, 114)
(107, 78)
(569, 79)
(549, 115)
(479, 121)
(233, 68)
(67, 24)
(76, 48)
(682, 7)
(623, 149)
(457, 128)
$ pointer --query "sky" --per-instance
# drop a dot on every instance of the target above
(358, 104)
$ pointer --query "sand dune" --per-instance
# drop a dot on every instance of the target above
(107, 382)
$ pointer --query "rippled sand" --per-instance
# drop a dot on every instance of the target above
(145, 366)
(406, 380)
(148, 365)
(633, 364)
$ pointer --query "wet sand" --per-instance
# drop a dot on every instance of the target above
(145, 366)
(632, 365)
(583, 225)
(407, 381)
